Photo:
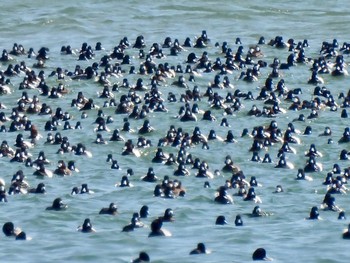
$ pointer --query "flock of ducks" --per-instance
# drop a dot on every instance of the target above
(137, 101)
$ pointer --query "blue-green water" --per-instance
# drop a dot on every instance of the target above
(286, 235)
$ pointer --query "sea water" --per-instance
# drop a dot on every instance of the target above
(286, 235)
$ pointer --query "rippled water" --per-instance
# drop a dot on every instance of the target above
(285, 234)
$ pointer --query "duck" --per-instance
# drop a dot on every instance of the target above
(57, 205)
(111, 210)
(86, 227)
(200, 249)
